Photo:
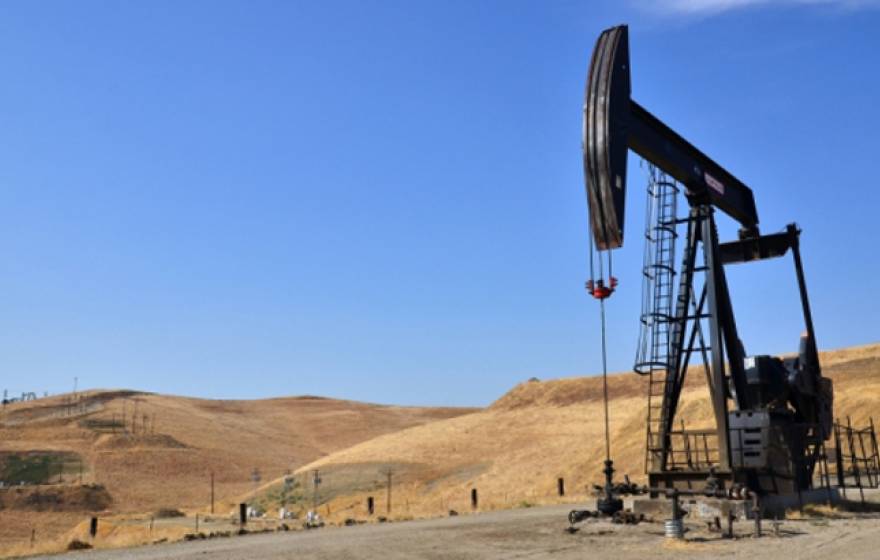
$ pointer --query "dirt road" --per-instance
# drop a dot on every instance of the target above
(526, 533)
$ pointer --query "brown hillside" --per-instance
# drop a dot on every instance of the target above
(166, 458)
(514, 451)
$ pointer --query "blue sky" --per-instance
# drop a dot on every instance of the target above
(384, 201)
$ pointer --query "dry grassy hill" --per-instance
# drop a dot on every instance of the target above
(164, 454)
(514, 451)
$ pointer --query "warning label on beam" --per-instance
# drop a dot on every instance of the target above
(714, 183)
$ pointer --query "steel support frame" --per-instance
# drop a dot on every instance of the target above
(725, 348)
(724, 344)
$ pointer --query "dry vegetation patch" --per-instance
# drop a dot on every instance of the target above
(163, 453)
(515, 450)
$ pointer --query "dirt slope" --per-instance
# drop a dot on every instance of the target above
(166, 457)
(514, 451)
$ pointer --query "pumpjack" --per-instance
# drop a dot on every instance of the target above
(771, 415)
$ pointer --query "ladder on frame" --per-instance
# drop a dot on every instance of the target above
(658, 269)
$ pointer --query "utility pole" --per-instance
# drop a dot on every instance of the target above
(255, 476)
(134, 418)
(316, 480)
(212, 492)
(289, 484)
(388, 503)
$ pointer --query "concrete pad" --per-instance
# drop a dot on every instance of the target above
(699, 507)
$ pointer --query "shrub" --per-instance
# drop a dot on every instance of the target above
(167, 513)
(77, 544)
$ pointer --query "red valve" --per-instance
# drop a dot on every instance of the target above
(599, 290)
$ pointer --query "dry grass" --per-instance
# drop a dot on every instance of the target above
(514, 451)
(170, 465)
(846, 509)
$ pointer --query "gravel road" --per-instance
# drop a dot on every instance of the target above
(537, 533)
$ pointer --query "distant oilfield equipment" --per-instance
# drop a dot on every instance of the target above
(25, 396)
